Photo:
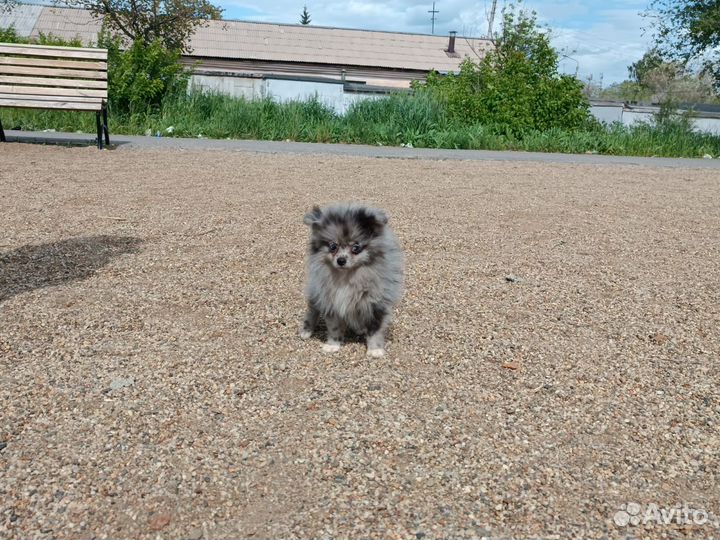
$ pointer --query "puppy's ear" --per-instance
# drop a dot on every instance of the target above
(381, 216)
(372, 220)
(313, 217)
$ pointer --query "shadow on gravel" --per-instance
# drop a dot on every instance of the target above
(52, 139)
(45, 265)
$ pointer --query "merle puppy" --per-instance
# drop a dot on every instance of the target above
(355, 274)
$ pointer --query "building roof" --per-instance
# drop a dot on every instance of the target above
(245, 40)
(68, 23)
(22, 18)
(339, 46)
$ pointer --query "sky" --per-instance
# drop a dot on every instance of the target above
(601, 37)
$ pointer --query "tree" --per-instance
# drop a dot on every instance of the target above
(305, 16)
(658, 79)
(650, 62)
(172, 22)
(7, 6)
(689, 31)
(592, 89)
(516, 86)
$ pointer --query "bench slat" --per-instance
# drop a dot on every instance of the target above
(62, 92)
(54, 52)
(47, 72)
(75, 99)
(53, 63)
(68, 83)
(60, 105)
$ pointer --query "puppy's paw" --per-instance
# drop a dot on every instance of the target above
(376, 353)
(305, 334)
(331, 347)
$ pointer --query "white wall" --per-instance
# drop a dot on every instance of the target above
(281, 90)
(630, 118)
(607, 113)
(331, 94)
(246, 87)
(707, 125)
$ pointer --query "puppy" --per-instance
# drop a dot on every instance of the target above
(354, 274)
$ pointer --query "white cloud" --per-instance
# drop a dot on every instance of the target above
(606, 47)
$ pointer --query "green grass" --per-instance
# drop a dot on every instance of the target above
(398, 119)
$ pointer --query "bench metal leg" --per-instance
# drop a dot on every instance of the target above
(99, 130)
(2, 133)
(106, 130)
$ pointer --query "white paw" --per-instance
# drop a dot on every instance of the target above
(376, 353)
(331, 347)
(305, 334)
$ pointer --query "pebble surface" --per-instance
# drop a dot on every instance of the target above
(554, 358)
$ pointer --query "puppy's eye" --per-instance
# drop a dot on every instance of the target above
(333, 247)
(357, 248)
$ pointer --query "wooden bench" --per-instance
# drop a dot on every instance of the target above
(60, 78)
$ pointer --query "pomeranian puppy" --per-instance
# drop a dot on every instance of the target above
(354, 274)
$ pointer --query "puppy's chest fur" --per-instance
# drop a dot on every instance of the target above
(351, 299)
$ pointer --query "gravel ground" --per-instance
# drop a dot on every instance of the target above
(555, 356)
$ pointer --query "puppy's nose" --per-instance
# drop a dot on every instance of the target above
(341, 261)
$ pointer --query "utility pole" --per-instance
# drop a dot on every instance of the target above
(491, 19)
(432, 18)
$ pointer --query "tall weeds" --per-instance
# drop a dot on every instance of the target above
(412, 120)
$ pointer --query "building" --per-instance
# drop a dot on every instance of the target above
(336, 65)
(284, 61)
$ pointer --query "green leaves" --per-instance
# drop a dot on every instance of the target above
(516, 85)
(9, 35)
(6, 6)
(170, 21)
(141, 76)
(689, 31)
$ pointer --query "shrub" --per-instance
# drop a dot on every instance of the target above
(9, 35)
(516, 85)
(141, 76)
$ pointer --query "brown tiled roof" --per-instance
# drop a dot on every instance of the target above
(68, 23)
(22, 18)
(289, 42)
(297, 43)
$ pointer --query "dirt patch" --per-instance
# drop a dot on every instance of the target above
(554, 357)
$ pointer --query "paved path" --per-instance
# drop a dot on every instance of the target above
(275, 147)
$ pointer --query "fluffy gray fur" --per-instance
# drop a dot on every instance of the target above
(355, 274)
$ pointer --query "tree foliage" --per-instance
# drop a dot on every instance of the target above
(172, 22)
(689, 31)
(7, 5)
(656, 79)
(516, 85)
(651, 63)
(141, 75)
(305, 17)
